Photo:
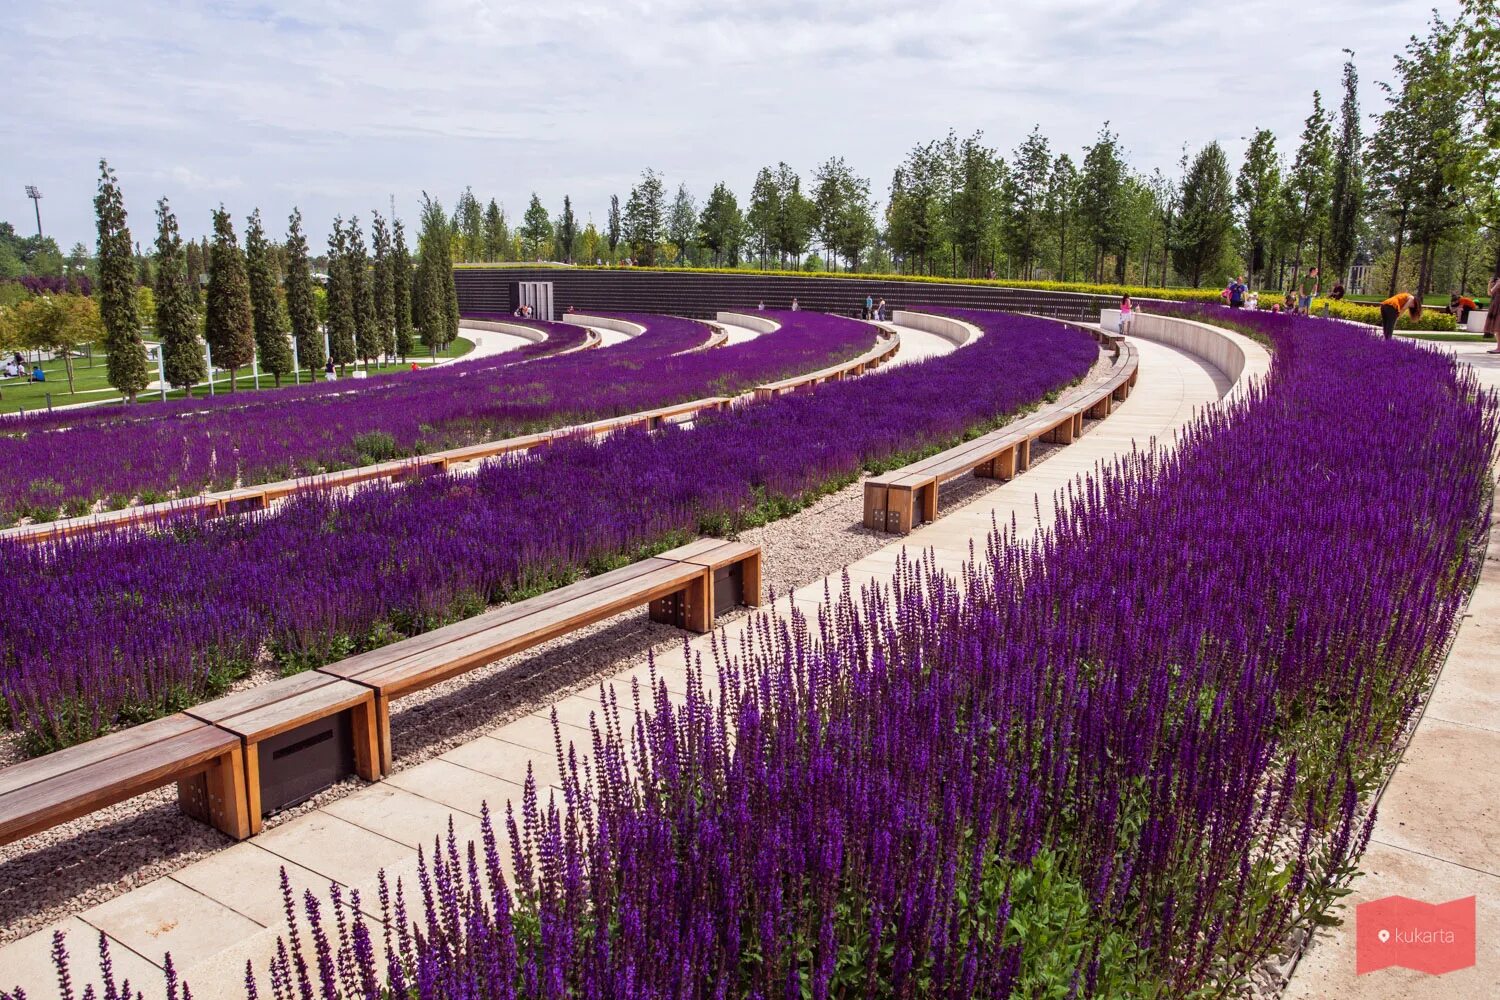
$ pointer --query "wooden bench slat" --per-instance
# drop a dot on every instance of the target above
(78, 792)
(298, 707)
(60, 762)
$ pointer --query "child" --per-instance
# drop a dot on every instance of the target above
(1125, 314)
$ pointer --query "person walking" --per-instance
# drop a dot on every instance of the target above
(1306, 289)
(880, 310)
(869, 307)
(328, 373)
(1237, 290)
(1126, 314)
(1392, 308)
(1492, 318)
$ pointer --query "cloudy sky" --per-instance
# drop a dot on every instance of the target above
(337, 105)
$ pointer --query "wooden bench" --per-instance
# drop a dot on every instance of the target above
(298, 735)
(679, 586)
(206, 762)
(885, 348)
(899, 500)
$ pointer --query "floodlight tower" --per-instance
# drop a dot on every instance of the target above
(35, 194)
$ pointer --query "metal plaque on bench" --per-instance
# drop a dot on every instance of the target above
(300, 763)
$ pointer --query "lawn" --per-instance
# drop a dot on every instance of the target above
(90, 381)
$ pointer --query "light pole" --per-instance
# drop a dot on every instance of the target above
(35, 194)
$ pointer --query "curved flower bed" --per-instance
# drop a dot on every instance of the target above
(119, 627)
(1124, 761)
(116, 461)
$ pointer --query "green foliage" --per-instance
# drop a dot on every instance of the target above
(341, 292)
(273, 348)
(301, 307)
(177, 321)
(401, 290)
(644, 219)
(720, 226)
(434, 298)
(128, 371)
(1204, 225)
(229, 322)
(367, 336)
(536, 232)
(383, 286)
(567, 231)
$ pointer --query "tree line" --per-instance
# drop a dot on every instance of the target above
(263, 303)
(1406, 195)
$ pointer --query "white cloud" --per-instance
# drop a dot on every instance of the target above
(335, 105)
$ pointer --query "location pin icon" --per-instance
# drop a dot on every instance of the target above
(1384, 935)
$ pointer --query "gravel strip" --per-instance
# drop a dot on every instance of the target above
(62, 871)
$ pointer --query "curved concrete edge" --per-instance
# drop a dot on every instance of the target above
(1241, 359)
(749, 321)
(624, 326)
(955, 331)
(530, 333)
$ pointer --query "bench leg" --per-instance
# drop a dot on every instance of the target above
(929, 503)
(750, 580)
(875, 501)
(698, 612)
(218, 796)
(1004, 466)
(1077, 426)
(1023, 456)
(898, 513)
(369, 763)
(252, 786)
(1100, 410)
(382, 732)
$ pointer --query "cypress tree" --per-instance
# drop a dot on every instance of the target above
(177, 323)
(299, 298)
(192, 258)
(434, 297)
(381, 275)
(401, 289)
(341, 346)
(1347, 201)
(366, 334)
(229, 323)
(128, 371)
(270, 324)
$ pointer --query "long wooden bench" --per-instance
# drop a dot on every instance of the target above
(885, 348)
(899, 500)
(680, 586)
(206, 762)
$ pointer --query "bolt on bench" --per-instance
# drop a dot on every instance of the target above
(207, 764)
(899, 500)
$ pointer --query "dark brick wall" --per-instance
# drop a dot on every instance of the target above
(687, 293)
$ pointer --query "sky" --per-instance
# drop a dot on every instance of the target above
(337, 106)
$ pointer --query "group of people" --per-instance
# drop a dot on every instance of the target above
(15, 367)
(874, 310)
(523, 312)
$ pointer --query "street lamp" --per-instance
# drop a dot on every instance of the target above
(35, 194)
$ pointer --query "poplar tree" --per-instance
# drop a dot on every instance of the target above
(229, 321)
(434, 297)
(270, 325)
(367, 339)
(1257, 191)
(382, 286)
(567, 231)
(300, 308)
(177, 323)
(1348, 178)
(613, 227)
(1309, 185)
(401, 290)
(341, 328)
(128, 371)
(496, 236)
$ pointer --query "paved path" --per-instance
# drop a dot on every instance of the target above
(215, 914)
(919, 345)
(1437, 836)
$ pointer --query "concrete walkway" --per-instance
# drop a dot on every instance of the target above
(1437, 835)
(214, 915)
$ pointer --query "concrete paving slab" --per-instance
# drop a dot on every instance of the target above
(27, 962)
(247, 879)
(332, 847)
(1444, 799)
(164, 917)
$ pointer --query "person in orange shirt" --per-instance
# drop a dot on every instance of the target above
(1392, 308)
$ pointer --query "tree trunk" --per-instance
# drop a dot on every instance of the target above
(1400, 240)
(233, 377)
(68, 367)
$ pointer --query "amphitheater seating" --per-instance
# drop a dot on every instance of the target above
(206, 762)
(679, 585)
(899, 500)
(885, 348)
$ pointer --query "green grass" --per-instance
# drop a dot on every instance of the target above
(1451, 338)
(90, 382)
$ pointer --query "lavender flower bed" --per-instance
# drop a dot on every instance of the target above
(1124, 761)
(117, 460)
(115, 628)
